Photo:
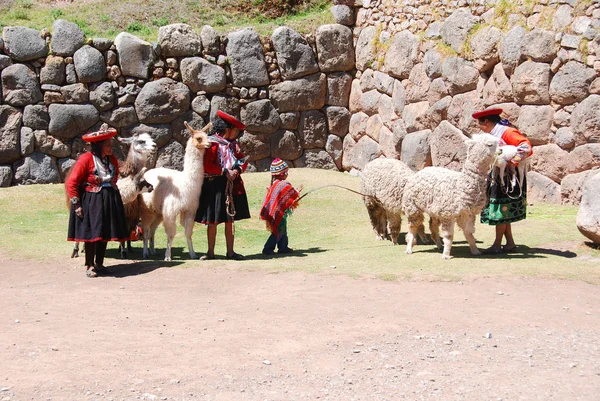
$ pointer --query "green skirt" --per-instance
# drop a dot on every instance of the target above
(505, 204)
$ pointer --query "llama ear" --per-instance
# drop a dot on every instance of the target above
(125, 140)
(189, 127)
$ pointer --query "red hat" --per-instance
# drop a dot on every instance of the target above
(99, 136)
(230, 119)
(487, 112)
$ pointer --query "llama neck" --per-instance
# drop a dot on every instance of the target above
(193, 162)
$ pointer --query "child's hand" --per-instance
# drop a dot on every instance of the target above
(300, 188)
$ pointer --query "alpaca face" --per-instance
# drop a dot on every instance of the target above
(144, 144)
(200, 137)
(481, 150)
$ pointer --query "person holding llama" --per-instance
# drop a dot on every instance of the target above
(506, 204)
(280, 201)
(97, 215)
(223, 196)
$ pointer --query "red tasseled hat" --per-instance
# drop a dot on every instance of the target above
(487, 112)
(231, 120)
(99, 136)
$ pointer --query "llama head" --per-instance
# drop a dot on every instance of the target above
(142, 145)
(481, 151)
(200, 137)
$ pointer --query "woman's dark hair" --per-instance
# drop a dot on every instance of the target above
(493, 118)
(219, 126)
(96, 148)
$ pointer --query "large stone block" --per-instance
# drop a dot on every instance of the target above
(335, 148)
(68, 121)
(338, 89)
(585, 119)
(261, 117)
(200, 74)
(162, 101)
(498, 88)
(255, 147)
(415, 150)
(456, 27)
(334, 48)
(542, 189)
(210, 40)
(484, 47)
(365, 48)
(338, 120)
(585, 157)
(246, 58)
(510, 49)
(171, 156)
(10, 127)
(417, 86)
(448, 148)
(415, 115)
(402, 54)
(588, 217)
(307, 93)
(571, 186)
(20, 86)
(36, 117)
(357, 154)
(286, 145)
(535, 122)
(571, 83)
(312, 129)
(89, 64)
(53, 71)
(102, 96)
(120, 117)
(179, 40)
(460, 75)
(67, 38)
(49, 145)
(539, 45)
(294, 55)
(24, 44)
(317, 158)
(136, 57)
(390, 140)
(531, 83)
(36, 168)
(461, 109)
(551, 161)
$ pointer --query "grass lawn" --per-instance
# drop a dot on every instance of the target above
(331, 233)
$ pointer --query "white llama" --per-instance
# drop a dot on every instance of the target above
(450, 196)
(504, 155)
(176, 193)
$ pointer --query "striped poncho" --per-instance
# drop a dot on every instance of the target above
(281, 196)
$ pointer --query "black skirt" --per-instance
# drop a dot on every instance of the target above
(103, 218)
(212, 208)
(506, 204)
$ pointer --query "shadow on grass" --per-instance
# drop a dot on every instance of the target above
(296, 253)
(460, 249)
(143, 266)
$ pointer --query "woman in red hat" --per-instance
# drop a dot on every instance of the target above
(97, 215)
(223, 197)
(506, 204)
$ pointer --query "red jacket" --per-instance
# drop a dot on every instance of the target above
(83, 175)
(212, 165)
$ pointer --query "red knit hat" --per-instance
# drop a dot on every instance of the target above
(487, 112)
(230, 119)
(99, 136)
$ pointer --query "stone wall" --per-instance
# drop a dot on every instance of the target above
(424, 66)
(290, 90)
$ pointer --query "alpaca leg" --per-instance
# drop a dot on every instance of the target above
(145, 248)
(448, 235)
(434, 227)
(75, 253)
(378, 220)
(153, 228)
(501, 168)
(414, 222)
(422, 235)
(170, 229)
(394, 222)
(188, 224)
(467, 224)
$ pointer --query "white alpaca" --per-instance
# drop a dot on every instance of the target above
(176, 193)
(450, 196)
(384, 180)
(503, 157)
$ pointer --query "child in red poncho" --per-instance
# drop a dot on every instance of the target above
(281, 199)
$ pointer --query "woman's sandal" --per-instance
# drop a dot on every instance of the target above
(91, 272)
(207, 257)
(101, 269)
(235, 256)
(492, 251)
(509, 250)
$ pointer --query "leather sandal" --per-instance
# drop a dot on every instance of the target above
(101, 269)
(91, 272)
(235, 256)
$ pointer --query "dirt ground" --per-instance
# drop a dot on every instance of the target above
(226, 333)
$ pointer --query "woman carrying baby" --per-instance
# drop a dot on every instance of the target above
(506, 203)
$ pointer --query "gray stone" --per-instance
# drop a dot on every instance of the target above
(357, 154)
(177, 40)
(484, 47)
(20, 86)
(437, 90)
(70, 120)
(563, 137)
(581, 24)
(290, 120)
(201, 75)
(342, 14)
(417, 86)
(367, 82)
(136, 57)
(286, 145)
(535, 123)
(531, 83)
(355, 95)
(385, 109)
(373, 127)
(383, 82)
(53, 71)
(433, 63)
(402, 54)
(255, 147)
(338, 89)
(498, 88)
(588, 216)
(318, 158)
(434, 31)
(510, 49)
(228, 104)
(335, 148)
(120, 117)
(64, 167)
(49, 145)
(71, 76)
(180, 133)
(171, 156)
(390, 140)
(102, 44)
(305, 93)
(162, 101)
(460, 75)
(67, 37)
(358, 125)
(246, 58)
(539, 45)
(312, 129)
(5, 61)
(551, 161)
(448, 148)
(210, 40)
(36, 168)
(510, 111)
(10, 127)
(415, 150)
(570, 41)
(335, 48)
(456, 27)
(571, 83)
(460, 111)
(24, 44)
(562, 17)
(365, 48)
(75, 93)
(27, 141)
(571, 187)
(295, 57)
(89, 64)
(6, 175)
(585, 119)
(201, 105)
(261, 117)
(102, 96)
(398, 97)
(160, 133)
(542, 189)
(584, 157)
(36, 117)
(369, 102)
